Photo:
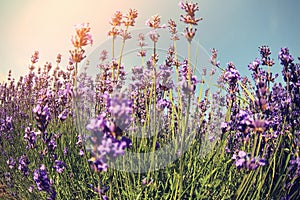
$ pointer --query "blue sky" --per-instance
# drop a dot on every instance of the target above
(236, 28)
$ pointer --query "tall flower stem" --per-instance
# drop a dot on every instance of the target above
(154, 128)
(189, 64)
(185, 122)
(183, 134)
(177, 74)
(75, 75)
(113, 47)
(121, 54)
(113, 56)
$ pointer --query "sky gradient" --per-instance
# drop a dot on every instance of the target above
(236, 28)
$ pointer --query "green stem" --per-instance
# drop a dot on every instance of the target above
(189, 64)
(113, 56)
(121, 54)
(154, 112)
(184, 130)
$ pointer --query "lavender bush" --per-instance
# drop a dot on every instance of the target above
(160, 131)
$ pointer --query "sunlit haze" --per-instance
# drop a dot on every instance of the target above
(236, 28)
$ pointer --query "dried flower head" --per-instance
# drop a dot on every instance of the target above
(142, 53)
(173, 30)
(141, 39)
(103, 55)
(154, 22)
(83, 36)
(35, 57)
(213, 58)
(125, 34)
(116, 19)
(172, 26)
(77, 55)
(190, 33)
(130, 17)
(58, 58)
(154, 35)
(190, 9)
(113, 32)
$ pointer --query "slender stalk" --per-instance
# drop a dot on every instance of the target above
(113, 47)
(75, 76)
(113, 56)
(183, 133)
(189, 64)
(154, 111)
(121, 54)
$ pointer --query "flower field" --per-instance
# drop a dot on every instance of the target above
(162, 129)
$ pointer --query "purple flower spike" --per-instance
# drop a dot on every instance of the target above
(243, 160)
(242, 154)
(11, 162)
(231, 75)
(66, 150)
(262, 162)
(52, 145)
(100, 166)
(30, 137)
(285, 57)
(265, 52)
(63, 116)
(81, 152)
(97, 124)
(23, 164)
(254, 65)
(240, 162)
(42, 181)
(59, 166)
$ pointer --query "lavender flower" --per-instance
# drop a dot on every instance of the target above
(31, 188)
(23, 164)
(43, 116)
(294, 166)
(164, 78)
(189, 88)
(7, 177)
(100, 165)
(97, 124)
(213, 58)
(190, 9)
(285, 57)
(105, 144)
(101, 191)
(254, 65)
(59, 166)
(121, 110)
(30, 137)
(245, 121)
(240, 158)
(162, 104)
(63, 116)
(11, 162)
(66, 150)
(231, 75)
(6, 127)
(154, 36)
(51, 145)
(43, 111)
(41, 179)
(154, 22)
(243, 160)
(265, 52)
(43, 182)
(81, 152)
